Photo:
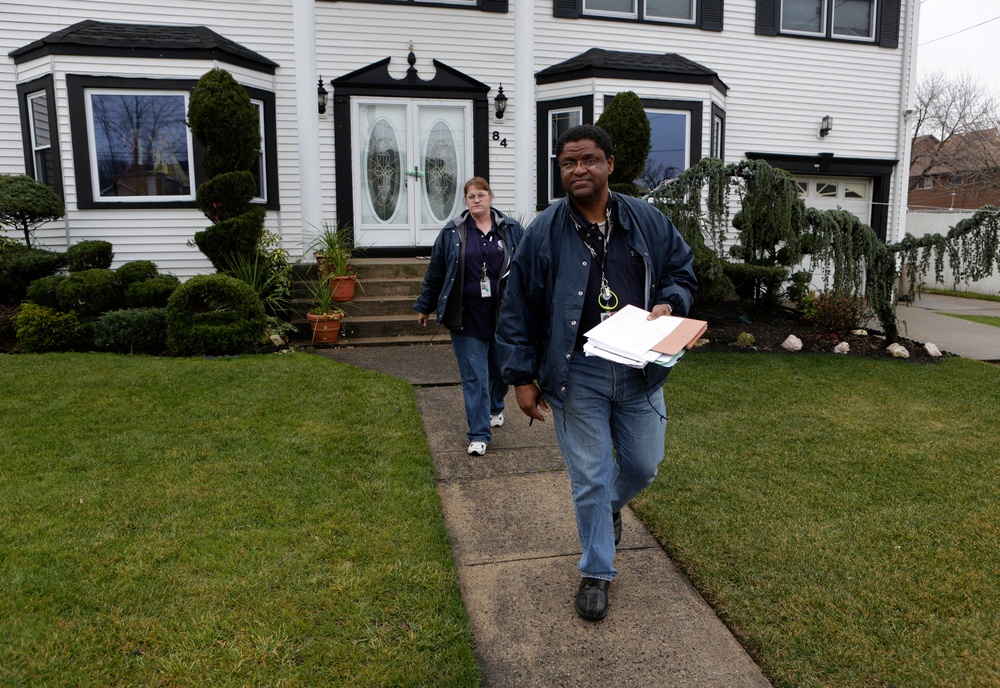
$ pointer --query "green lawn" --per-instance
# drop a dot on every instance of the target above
(840, 514)
(273, 520)
(981, 319)
(266, 520)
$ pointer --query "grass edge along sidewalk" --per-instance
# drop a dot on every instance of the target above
(268, 520)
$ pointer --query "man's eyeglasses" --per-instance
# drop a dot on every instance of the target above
(477, 197)
(589, 163)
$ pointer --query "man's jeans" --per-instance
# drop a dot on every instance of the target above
(482, 386)
(611, 436)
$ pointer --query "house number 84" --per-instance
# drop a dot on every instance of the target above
(496, 137)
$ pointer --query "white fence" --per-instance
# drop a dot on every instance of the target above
(923, 222)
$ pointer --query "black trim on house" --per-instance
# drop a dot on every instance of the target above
(880, 172)
(145, 41)
(542, 110)
(721, 114)
(887, 23)
(76, 86)
(44, 83)
(480, 5)
(375, 80)
(708, 14)
(598, 63)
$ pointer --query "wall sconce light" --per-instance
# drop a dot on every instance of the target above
(825, 126)
(500, 103)
(321, 94)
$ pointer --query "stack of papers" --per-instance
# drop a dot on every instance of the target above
(629, 338)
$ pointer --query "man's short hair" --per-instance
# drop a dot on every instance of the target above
(586, 132)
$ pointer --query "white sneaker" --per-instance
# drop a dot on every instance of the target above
(497, 420)
(477, 448)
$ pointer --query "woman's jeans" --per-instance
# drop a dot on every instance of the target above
(482, 387)
(611, 436)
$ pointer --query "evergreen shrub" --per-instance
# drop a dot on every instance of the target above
(152, 293)
(87, 255)
(237, 236)
(27, 203)
(20, 266)
(7, 335)
(136, 271)
(41, 329)
(90, 292)
(227, 195)
(132, 331)
(214, 315)
(45, 291)
(626, 122)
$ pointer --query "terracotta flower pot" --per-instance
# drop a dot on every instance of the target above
(342, 287)
(325, 327)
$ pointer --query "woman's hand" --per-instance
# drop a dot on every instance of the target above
(422, 319)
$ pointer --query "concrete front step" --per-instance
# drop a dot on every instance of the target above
(426, 340)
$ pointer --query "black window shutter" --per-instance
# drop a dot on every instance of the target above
(889, 34)
(566, 8)
(711, 15)
(494, 6)
(767, 18)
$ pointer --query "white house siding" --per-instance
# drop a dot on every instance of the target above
(160, 235)
(352, 35)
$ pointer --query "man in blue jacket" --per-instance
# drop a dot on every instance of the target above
(582, 259)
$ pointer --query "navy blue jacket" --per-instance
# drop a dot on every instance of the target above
(540, 315)
(447, 264)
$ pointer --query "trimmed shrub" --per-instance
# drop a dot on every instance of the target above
(214, 315)
(90, 292)
(87, 255)
(136, 271)
(225, 122)
(20, 266)
(237, 236)
(42, 329)
(132, 331)
(152, 293)
(26, 203)
(45, 291)
(227, 195)
(626, 122)
(7, 336)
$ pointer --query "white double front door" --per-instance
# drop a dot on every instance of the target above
(411, 158)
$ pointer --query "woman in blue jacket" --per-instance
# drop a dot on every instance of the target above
(473, 251)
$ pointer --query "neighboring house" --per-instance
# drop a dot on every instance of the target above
(962, 172)
(94, 96)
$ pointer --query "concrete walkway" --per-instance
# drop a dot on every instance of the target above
(510, 520)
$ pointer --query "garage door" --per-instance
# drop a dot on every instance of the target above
(853, 194)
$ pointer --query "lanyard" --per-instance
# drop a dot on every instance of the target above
(606, 298)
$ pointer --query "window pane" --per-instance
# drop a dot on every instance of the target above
(140, 145)
(259, 169)
(41, 137)
(803, 189)
(384, 169)
(854, 18)
(717, 138)
(855, 190)
(803, 15)
(626, 7)
(670, 9)
(559, 122)
(668, 155)
(826, 190)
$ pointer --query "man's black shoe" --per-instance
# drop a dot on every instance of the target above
(616, 521)
(592, 599)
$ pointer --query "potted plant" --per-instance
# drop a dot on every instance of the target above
(324, 317)
(334, 249)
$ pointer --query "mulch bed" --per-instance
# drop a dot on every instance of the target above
(769, 330)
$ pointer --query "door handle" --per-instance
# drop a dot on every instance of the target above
(415, 172)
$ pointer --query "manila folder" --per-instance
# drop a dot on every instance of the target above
(682, 337)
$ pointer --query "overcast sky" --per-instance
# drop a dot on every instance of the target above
(959, 36)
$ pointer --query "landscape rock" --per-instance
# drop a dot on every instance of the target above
(792, 343)
(745, 340)
(898, 350)
(860, 333)
(842, 348)
(932, 350)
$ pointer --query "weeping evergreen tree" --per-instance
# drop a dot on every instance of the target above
(225, 122)
(626, 123)
(774, 232)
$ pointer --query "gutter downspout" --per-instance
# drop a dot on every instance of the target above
(307, 118)
(907, 86)
(524, 108)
